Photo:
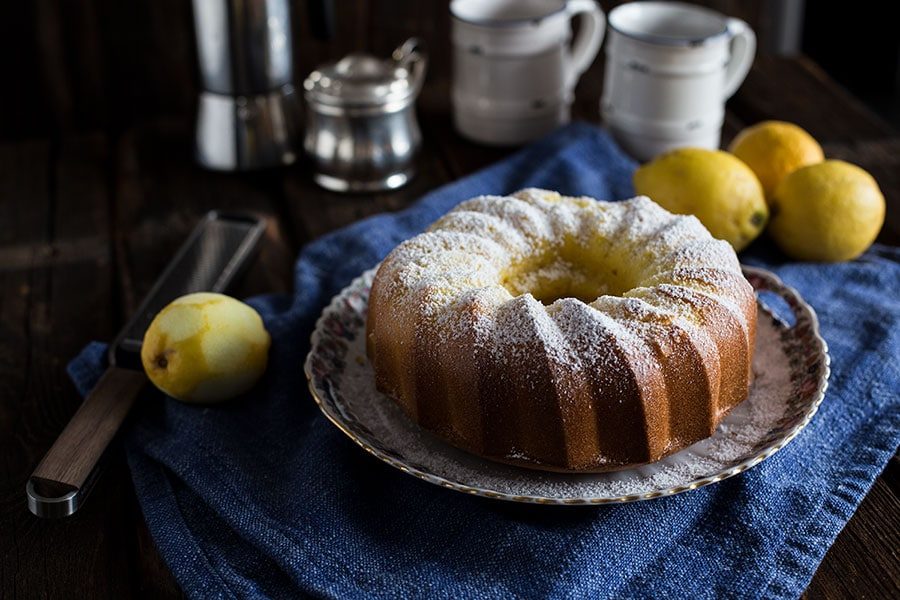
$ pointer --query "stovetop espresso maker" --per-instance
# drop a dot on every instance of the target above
(248, 110)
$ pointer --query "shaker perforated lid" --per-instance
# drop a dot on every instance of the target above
(359, 80)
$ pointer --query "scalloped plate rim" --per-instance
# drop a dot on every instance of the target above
(762, 454)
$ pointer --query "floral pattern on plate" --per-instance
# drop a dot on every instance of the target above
(791, 368)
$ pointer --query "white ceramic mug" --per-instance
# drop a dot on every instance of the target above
(514, 73)
(670, 67)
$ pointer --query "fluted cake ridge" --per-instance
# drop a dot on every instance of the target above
(563, 333)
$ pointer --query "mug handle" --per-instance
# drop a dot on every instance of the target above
(590, 36)
(743, 49)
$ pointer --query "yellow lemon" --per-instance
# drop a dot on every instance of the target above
(716, 187)
(830, 211)
(775, 149)
(205, 348)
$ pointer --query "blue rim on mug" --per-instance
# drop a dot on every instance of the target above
(506, 22)
(668, 40)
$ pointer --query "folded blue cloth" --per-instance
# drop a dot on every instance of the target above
(263, 497)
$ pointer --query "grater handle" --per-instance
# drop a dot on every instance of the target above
(66, 474)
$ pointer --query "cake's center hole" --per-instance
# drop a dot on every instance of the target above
(570, 273)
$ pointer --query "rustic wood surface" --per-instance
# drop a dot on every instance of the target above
(97, 189)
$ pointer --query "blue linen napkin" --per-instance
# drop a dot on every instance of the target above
(263, 497)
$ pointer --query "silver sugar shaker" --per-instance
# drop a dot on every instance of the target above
(248, 109)
(361, 128)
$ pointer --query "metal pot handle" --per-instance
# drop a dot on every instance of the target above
(411, 56)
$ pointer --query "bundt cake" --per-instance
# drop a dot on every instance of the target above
(563, 333)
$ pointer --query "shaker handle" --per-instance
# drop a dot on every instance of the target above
(590, 36)
(743, 49)
(412, 53)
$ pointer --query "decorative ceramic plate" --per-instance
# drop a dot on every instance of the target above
(791, 367)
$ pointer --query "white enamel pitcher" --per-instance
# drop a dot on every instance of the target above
(670, 67)
(514, 68)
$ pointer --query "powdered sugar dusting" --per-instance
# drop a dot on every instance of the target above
(485, 239)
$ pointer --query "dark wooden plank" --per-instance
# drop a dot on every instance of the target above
(25, 206)
(80, 42)
(149, 60)
(161, 194)
(26, 111)
(50, 309)
(314, 211)
(150, 578)
(797, 90)
(24, 186)
(863, 562)
(69, 51)
(891, 474)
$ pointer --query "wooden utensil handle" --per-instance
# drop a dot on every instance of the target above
(67, 467)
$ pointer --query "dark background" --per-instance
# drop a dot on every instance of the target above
(859, 45)
(75, 66)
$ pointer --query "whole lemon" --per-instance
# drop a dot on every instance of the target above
(205, 348)
(830, 211)
(775, 149)
(716, 187)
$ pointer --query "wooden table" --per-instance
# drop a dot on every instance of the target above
(87, 221)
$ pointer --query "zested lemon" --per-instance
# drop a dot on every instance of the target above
(716, 187)
(831, 211)
(205, 348)
(774, 150)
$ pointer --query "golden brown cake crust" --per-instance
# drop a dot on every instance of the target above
(562, 333)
